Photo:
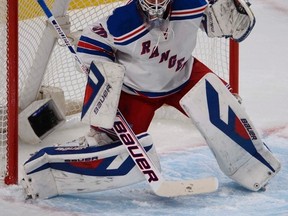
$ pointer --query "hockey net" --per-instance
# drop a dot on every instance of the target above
(45, 63)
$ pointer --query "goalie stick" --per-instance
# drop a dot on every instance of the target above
(159, 185)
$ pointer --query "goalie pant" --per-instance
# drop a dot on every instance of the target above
(74, 169)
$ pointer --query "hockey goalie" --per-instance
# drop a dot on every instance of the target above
(139, 59)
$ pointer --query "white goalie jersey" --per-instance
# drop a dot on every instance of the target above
(157, 63)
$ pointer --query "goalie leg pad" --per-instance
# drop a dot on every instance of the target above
(73, 169)
(222, 121)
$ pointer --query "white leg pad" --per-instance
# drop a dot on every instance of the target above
(73, 169)
(229, 133)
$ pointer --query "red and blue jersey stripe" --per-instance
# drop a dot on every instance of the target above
(131, 36)
(94, 47)
(192, 13)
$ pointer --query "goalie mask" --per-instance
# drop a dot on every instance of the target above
(156, 12)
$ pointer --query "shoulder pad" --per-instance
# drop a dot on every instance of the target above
(187, 4)
(124, 20)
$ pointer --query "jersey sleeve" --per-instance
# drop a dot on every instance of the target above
(95, 44)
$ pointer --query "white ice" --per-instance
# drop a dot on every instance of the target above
(184, 154)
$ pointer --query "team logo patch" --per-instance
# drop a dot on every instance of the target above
(100, 31)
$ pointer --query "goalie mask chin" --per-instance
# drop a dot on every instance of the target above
(156, 13)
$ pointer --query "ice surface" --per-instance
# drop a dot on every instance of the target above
(184, 154)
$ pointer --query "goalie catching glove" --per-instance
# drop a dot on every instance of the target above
(228, 18)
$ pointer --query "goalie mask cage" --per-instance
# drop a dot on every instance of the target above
(43, 61)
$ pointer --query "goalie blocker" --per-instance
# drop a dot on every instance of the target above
(102, 94)
(229, 133)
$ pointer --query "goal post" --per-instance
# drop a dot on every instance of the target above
(34, 61)
(234, 66)
(9, 92)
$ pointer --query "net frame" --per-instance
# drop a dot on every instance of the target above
(9, 99)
